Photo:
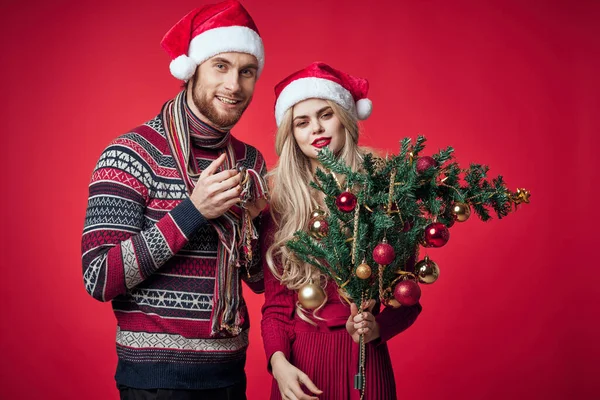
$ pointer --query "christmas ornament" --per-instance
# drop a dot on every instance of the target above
(383, 253)
(436, 235)
(346, 202)
(461, 211)
(355, 234)
(391, 191)
(450, 219)
(521, 196)
(392, 302)
(427, 271)
(317, 213)
(407, 292)
(424, 163)
(318, 227)
(379, 164)
(311, 296)
(363, 271)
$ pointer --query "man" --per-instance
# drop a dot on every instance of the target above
(171, 220)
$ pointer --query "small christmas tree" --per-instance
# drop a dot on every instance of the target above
(368, 240)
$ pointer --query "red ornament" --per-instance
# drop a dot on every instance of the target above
(407, 292)
(318, 227)
(346, 202)
(450, 218)
(424, 163)
(383, 254)
(436, 235)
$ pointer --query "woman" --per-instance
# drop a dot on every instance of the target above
(315, 352)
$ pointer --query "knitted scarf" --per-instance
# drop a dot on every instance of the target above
(234, 228)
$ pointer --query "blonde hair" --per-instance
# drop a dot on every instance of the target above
(291, 201)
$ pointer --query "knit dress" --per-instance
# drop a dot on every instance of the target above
(326, 352)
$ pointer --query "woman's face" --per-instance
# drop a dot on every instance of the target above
(316, 126)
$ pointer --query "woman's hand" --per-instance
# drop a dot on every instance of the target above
(363, 323)
(289, 379)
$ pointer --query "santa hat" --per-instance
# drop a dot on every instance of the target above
(321, 81)
(208, 31)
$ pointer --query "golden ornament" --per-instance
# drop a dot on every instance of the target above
(392, 302)
(461, 211)
(522, 196)
(427, 271)
(317, 213)
(311, 296)
(318, 227)
(378, 163)
(363, 271)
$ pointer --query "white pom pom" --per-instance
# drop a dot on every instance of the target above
(183, 67)
(364, 108)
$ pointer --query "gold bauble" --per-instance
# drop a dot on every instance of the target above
(392, 302)
(462, 211)
(363, 271)
(311, 296)
(318, 227)
(317, 213)
(427, 271)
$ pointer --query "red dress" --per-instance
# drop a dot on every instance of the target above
(326, 352)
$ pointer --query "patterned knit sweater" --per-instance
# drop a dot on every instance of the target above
(148, 249)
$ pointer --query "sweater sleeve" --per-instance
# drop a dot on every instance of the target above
(392, 321)
(120, 246)
(278, 310)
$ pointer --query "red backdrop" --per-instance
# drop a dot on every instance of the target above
(508, 83)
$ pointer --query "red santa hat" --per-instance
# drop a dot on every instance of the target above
(208, 31)
(321, 81)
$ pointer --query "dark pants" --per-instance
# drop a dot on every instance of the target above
(235, 392)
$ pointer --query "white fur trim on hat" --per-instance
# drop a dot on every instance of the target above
(364, 108)
(222, 40)
(183, 67)
(308, 88)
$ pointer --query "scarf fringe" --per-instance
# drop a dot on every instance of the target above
(232, 227)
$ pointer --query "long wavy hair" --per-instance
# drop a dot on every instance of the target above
(292, 199)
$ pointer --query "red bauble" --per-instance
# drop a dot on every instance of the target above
(383, 254)
(407, 293)
(424, 163)
(346, 202)
(318, 227)
(436, 235)
(451, 220)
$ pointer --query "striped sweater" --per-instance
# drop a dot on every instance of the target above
(148, 250)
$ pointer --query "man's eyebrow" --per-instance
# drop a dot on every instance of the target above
(221, 60)
(251, 66)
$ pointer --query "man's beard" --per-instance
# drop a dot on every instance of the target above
(204, 104)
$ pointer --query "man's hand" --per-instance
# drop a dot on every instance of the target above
(214, 194)
(289, 379)
(363, 323)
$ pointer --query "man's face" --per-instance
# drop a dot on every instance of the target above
(222, 87)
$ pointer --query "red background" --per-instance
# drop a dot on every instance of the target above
(511, 84)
